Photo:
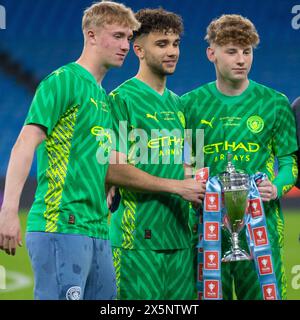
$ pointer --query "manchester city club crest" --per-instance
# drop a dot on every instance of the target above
(255, 124)
(73, 293)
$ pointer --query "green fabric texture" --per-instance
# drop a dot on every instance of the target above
(150, 221)
(70, 197)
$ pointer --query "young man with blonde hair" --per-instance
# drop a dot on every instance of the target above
(256, 125)
(67, 230)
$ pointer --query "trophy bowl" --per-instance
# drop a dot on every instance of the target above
(235, 187)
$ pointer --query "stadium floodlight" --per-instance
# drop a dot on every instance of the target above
(2, 278)
(2, 17)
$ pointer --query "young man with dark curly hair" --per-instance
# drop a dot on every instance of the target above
(150, 231)
(256, 125)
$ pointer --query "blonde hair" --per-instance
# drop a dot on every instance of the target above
(232, 28)
(109, 12)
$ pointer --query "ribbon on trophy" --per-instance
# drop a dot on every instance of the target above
(209, 250)
(258, 241)
(209, 284)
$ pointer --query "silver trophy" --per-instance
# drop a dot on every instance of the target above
(235, 187)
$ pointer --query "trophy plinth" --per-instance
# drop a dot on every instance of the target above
(235, 186)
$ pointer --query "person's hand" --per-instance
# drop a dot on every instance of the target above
(110, 196)
(192, 190)
(10, 231)
(267, 190)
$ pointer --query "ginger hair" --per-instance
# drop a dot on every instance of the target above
(234, 29)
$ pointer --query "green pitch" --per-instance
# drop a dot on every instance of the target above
(19, 278)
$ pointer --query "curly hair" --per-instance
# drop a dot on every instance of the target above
(158, 20)
(232, 28)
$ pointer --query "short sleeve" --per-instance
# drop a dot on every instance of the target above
(296, 109)
(51, 100)
(285, 138)
(120, 120)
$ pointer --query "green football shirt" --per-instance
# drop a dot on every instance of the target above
(70, 197)
(154, 144)
(255, 127)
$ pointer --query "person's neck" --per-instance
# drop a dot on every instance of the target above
(155, 81)
(93, 66)
(232, 88)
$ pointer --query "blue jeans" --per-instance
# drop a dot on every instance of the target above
(71, 267)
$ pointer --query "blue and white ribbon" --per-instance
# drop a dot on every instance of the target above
(209, 284)
(258, 241)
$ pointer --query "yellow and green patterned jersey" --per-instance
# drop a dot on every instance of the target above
(256, 127)
(70, 196)
(155, 125)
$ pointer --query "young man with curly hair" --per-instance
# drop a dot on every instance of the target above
(256, 125)
(150, 231)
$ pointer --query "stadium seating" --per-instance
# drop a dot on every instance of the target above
(43, 35)
(14, 103)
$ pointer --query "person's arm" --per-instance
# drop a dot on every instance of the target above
(296, 109)
(124, 175)
(48, 104)
(18, 169)
(284, 181)
(287, 174)
(284, 145)
(298, 167)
